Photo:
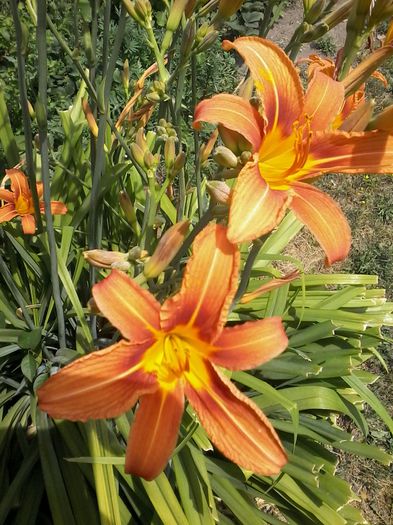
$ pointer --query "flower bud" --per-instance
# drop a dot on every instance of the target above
(125, 75)
(188, 40)
(227, 8)
(129, 212)
(189, 8)
(143, 11)
(138, 154)
(91, 121)
(219, 191)
(104, 258)
(234, 140)
(124, 266)
(179, 163)
(207, 148)
(383, 121)
(315, 11)
(167, 248)
(208, 41)
(136, 253)
(224, 157)
(169, 153)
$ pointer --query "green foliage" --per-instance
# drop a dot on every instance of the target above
(59, 472)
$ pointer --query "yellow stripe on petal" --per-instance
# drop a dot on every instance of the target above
(236, 426)
(275, 78)
(208, 286)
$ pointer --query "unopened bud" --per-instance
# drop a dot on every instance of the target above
(170, 153)
(245, 157)
(143, 10)
(188, 40)
(219, 191)
(136, 253)
(175, 15)
(234, 140)
(104, 258)
(129, 211)
(124, 266)
(125, 75)
(189, 8)
(167, 248)
(179, 163)
(208, 41)
(207, 148)
(91, 121)
(31, 110)
(138, 154)
(316, 10)
(224, 157)
(383, 121)
(227, 8)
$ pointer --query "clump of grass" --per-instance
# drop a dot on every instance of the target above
(325, 45)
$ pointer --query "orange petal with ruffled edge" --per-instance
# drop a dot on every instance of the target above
(154, 432)
(56, 208)
(275, 78)
(19, 183)
(7, 196)
(28, 224)
(323, 101)
(323, 216)
(208, 287)
(255, 208)
(250, 344)
(102, 384)
(356, 152)
(236, 426)
(234, 113)
(130, 308)
(7, 212)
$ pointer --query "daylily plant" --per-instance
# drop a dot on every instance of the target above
(172, 351)
(20, 201)
(293, 140)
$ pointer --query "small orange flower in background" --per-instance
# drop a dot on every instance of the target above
(172, 351)
(293, 140)
(20, 201)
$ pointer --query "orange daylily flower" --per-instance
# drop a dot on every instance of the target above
(20, 201)
(172, 351)
(292, 140)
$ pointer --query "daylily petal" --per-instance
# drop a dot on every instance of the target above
(272, 284)
(208, 287)
(56, 208)
(133, 310)
(359, 119)
(234, 113)
(323, 216)
(250, 344)
(19, 182)
(40, 189)
(154, 432)
(7, 212)
(236, 426)
(99, 385)
(255, 208)
(324, 100)
(7, 196)
(28, 224)
(275, 78)
(342, 152)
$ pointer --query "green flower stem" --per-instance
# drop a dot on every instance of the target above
(25, 112)
(163, 72)
(177, 122)
(152, 212)
(253, 254)
(196, 139)
(43, 135)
